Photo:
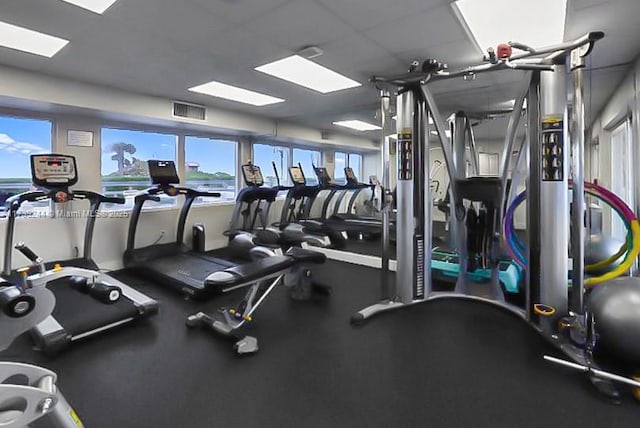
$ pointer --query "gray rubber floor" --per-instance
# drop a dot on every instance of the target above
(441, 364)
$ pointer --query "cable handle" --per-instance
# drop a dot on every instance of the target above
(28, 252)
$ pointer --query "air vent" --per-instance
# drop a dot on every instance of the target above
(190, 111)
(325, 135)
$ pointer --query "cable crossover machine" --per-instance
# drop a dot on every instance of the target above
(574, 315)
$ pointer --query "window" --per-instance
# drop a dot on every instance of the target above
(343, 160)
(264, 155)
(124, 162)
(622, 173)
(355, 163)
(307, 158)
(488, 163)
(211, 166)
(340, 162)
(20, 138)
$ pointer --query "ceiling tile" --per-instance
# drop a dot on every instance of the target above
(240, 11)
(364, 14)
(357, 57)
(193, 27)
(419, 31)
(300, 23)
(241, 47)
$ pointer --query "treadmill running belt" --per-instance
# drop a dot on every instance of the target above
(79, 313)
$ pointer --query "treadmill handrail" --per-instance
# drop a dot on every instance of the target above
(15, 202)
(151, 194)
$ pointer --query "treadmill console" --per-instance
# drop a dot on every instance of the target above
(252, 175)
(53, 171)
(324, 179)
(350, 175)
(297, 176)
(163, 172)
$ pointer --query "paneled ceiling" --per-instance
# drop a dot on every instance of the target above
(163, 47)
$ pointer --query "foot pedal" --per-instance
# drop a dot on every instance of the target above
(606, 389)
(246, 345)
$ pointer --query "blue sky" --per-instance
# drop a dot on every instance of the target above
(263, 155)
(307, 158)
(212, 155)
(20, 138)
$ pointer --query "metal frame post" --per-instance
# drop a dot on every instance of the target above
(388, 289)
(405, 220)
(554, 208)
(577, 168)
(533, 277)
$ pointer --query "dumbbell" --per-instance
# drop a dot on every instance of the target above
(105, 293)
(14, 302)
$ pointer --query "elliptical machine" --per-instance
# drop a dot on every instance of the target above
(22, 307)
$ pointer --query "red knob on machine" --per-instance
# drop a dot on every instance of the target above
(61, 197)
(504, 51)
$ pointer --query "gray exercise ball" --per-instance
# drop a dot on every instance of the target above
(601, 247)
(615, 306)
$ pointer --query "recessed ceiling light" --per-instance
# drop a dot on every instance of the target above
(233, 93)
(25, 40)
(519, 21)
(97, 6)
(301, 71)
(447, 133)
(358, 125)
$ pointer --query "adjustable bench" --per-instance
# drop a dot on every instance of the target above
(262, 275)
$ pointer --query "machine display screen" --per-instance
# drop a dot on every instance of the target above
(52, 169)
(348, 172)
(163, 172)
(252, 175)
(323, 175)
(296, 175)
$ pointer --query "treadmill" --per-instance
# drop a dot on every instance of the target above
(354, 226)
(353, 187)
(253, 204)
(77, 315)
(297, 208)
(195, 274)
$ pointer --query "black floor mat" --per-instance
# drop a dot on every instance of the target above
(440, 364)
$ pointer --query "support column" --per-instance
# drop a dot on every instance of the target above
(577, 168)
(411, 226)
(554, 198)
(388, 291)
(533, 277)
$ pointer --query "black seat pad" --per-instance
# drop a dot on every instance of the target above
(253, 271)
(302, 255)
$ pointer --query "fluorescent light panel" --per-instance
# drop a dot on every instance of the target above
(25, 40)
(301, 71)
(233, 93)
(96, 6)
(535, 23)
(358, 125)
